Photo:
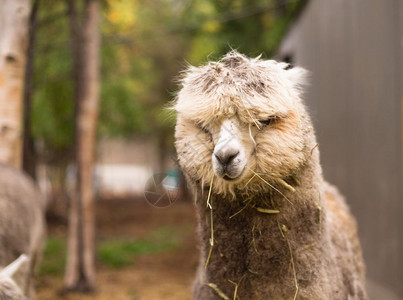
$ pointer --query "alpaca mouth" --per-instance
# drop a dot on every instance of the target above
(226, 177)
(229, 171)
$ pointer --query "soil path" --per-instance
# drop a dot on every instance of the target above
(166, 275)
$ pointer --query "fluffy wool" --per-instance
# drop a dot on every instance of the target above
(277, 230)
(9, 290)
(22, 227)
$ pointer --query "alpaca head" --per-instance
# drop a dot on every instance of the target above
(8, 286)
(239, 117)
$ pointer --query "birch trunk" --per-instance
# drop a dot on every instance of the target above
(14, 15)
(80, 271)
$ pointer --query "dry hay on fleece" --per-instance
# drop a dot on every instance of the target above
(270, 226)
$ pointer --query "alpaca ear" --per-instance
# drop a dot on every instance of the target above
(297, 75)
(13, 268)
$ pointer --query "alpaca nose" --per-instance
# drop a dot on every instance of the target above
(225, 157)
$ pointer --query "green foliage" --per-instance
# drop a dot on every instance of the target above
(120, 113)
(52, 106)
(119, 253)
(250, 26)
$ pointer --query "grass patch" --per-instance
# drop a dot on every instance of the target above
(118, 253)
(115, 253)
(54, 257)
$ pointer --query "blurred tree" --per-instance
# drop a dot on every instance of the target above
(146, 44)
(28, 155)
(13, 43)
(85, 43)
(148, 61)
(52, 113)
(252, 27)
(53, 88)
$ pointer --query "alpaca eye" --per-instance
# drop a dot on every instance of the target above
(270, 120)
(204, 129)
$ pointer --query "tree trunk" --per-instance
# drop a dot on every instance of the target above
(73, 249)
(80, 271)
(14, 16)
(281, 8)
(28, 155)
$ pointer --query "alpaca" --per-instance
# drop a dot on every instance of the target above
(9, 290)
(270, 226)
(22, 225)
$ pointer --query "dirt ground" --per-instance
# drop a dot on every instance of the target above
(165, 275)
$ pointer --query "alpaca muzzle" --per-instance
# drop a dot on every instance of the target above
(228, 157)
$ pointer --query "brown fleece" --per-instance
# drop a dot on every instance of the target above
(252, 248)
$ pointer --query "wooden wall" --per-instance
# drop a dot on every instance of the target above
(354, 50)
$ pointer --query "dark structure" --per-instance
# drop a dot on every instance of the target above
(354, 50)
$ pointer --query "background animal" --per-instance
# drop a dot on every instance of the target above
(9, 290)
(22, 225)
(270, 226)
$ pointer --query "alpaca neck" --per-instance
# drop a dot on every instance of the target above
(256, 242)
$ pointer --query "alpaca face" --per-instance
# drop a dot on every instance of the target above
(240, 121)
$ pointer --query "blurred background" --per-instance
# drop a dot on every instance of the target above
(95, 79)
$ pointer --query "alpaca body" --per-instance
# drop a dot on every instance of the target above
(251, 247)
(270, 226)
(22, 224)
